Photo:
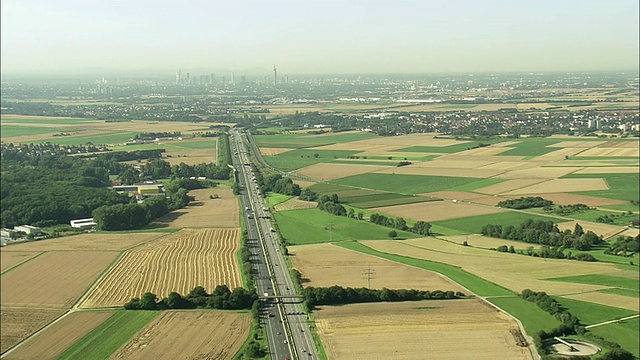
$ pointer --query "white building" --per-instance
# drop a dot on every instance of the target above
(28, 229)
(83, 223)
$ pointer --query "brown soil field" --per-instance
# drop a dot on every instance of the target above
(624, 302)
(612, 151)
(60, 336)
(17, 324)
(222, 212)
(180, 335)
(417, 170)
(609, 170)
(54, 279)
(507, 186)
(328, 265)
(568, 199)
(436, 210)
(329, 171)
(304, 184)
(561, 186)
(88, 242)
(267, 151)
(434, 329)
(9, 259)
(295, 204)
(598, 228)
(179, 262)
(514, 272)
(485, 242)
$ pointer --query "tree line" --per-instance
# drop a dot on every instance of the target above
(545, 233)
(338, 295)
(570, 325)
(525, 203)
(221, 298)
(624, 246)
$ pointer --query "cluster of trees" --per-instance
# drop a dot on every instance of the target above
(131, 155)
(335, 295)
(52, 189)
(525, 203)
(566, 209)
(220, 298)
(624, 246)
(331, 204)
(154, 135)
(276, 183)
(545, 233)
(570, 325)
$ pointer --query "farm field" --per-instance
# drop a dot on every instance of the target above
(365, 198)
(446, 329)
(412, 184)
(474, 224)
(297, 141)
(178, 262)
(295, 204)
(179, 335)
(316, 226)
(62, 275)
(84, 242)
(512, 271)
(205, 212)
(11, 259)
(436, 210)
(331, 171)
(620, 186)
(56, 339)
(16, 324)
(325, 265)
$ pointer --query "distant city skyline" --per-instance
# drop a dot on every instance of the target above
(318, 37)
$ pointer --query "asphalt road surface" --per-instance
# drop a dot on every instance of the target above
(287, 323)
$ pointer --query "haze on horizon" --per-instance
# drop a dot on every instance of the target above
(318, 37)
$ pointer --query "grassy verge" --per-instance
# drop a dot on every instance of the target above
(532, 317)
(104, 340)
(257, 334)
(322, 354)
(473, 283)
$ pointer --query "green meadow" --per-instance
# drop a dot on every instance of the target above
(414, 184)
(621, 186)
(598, 279)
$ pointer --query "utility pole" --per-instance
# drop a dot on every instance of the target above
(369, 273)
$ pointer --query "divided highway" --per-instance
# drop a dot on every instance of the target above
(286, 321)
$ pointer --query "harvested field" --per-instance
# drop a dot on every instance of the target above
(222, 212)
(443, 329)
(486, 242)
(513, 272)
(54, 279)
(391, 143)
(180, 335)
(417, 169)
(455, 162)
(539, 172)
(60, 336)
(561, 186)
(495, 149)
(191, 157)
(13, 258)
(18, 324)
(568, 199)
(609, 170)
(295, 204)
(508, 185)
(559, 154)
(630, 232)
(601, 229)
(325, 171)
(467, 196)
(436, 210)
(267, 151)
(86, 242)
(620, 301)
(304, 184)
(328, 265)
(576, 144)
(178, 262)
(612, 151)
(505, 165)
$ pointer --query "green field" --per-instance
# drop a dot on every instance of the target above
(47, 120)
(311, 226)
(299, 158)
(621, 186)
(104, 340)
(296, 141)
(622, 207)
(624, 333)
(474, 224)
(275, 198)
(18, 130)
(414, 184)
(474, 283)
(623, 292)
(533, 318)
(604, 280)
(531, 147)
(365, 198)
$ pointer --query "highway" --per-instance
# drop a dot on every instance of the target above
(285, 319)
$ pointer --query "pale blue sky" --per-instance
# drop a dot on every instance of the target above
(331, 36)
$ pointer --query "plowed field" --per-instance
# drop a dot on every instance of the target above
(11, 259)
(180, 335)
(54, 279)
(18, 324)
(449, 329)
(60, 336)
(179, 262)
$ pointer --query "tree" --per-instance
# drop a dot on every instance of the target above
(578, 230)
(316, 155)
(148, 301)
(393, 234)
(422, 228)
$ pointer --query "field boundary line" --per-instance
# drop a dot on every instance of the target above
(612, 321)
(531, 346)
(22, 263)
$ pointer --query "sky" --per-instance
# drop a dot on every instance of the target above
(318, 37)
